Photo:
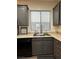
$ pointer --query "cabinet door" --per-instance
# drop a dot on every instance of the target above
(22, 15)
(36, 46)
(57, 14)
(24, 47)
(47, 46)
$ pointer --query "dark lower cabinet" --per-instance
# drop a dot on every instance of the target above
(43, 45)
(45, 57)
(47, 46)
(46, 50)
(24, 47)
(57, 49)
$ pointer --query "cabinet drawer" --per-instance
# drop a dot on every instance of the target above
(45, 57)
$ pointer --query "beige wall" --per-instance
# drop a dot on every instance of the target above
(56, 29)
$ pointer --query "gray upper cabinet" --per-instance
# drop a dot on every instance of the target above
(22, 15)
(57, 14)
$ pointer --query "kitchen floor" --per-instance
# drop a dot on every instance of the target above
(34, 57)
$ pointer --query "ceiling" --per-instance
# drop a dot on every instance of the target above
(37, 4)
(40, 0)
(44, 0)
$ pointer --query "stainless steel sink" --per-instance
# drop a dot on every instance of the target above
(41, 34)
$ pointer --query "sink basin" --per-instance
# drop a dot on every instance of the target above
(41, 34)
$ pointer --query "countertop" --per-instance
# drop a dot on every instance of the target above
(55, 35)
(30, 35)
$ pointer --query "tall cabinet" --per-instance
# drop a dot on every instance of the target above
(22, 18)
(57, 14)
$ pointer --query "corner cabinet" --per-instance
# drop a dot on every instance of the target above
(22, 15)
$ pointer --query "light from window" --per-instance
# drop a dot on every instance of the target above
(40, 20)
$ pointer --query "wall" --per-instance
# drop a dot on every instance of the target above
(56, 29)
(38, 5)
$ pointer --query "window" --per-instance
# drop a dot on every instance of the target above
(40, 20)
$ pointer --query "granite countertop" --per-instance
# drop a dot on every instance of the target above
(30, 35)
(56, 35)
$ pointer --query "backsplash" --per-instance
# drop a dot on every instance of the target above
(56, 29)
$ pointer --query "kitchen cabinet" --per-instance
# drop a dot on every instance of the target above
(57, 14)
(43, 45)
(57, 49)
(45, 57)
(22, 15)
(24, 47)
(36, 46)
(47, 46)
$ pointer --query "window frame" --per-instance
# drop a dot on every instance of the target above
(40, 18)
